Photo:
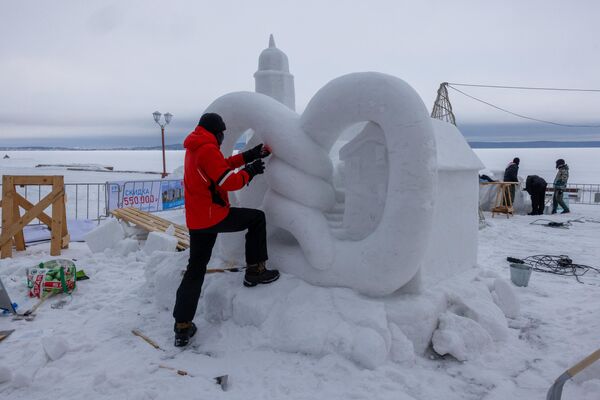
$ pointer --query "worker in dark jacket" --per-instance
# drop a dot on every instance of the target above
(536, 187)
(560, 184)
(511, 175)
(208, 176)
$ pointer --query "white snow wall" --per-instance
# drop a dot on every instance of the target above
(297, 187)
(453, 244)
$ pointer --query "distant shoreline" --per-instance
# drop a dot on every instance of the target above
(51, 148)
(474, 144)
(532, 145)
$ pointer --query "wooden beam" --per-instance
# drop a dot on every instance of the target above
(28, 216)
(33, 180)
(27, 205)
(7, 210)
(57, 218)
(19, 237)
(153, 223)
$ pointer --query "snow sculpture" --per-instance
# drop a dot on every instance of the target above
(453, 243)
(298, 193)
(364, 178)
(273, 77)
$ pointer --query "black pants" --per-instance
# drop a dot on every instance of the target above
(201, 245)
(538, 198)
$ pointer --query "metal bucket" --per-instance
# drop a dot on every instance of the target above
(519, 274)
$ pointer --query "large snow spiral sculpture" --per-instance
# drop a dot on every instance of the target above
(298, 190)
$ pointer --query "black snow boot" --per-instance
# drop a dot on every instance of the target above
(258, 273)
(183, 332)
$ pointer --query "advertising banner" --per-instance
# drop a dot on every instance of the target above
(150, 196)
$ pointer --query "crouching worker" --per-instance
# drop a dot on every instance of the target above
(208, 176)
(536, 187)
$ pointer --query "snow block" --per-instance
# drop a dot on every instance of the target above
(402, 350)
(416, 316)
(5, 375)
(54, 347)
(127, 246)
(475, 301)
(296, 317)
(159, 241)
(105, 236)
(460, 337)
(135, 232)
(163, 272)
(505, 298)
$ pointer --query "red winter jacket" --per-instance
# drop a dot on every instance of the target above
(208, 176)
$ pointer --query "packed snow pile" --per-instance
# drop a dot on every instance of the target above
(296, 317)
(510, 341)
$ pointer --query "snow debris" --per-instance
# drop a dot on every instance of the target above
(475, 301)
(5, 374)
(55, 347)
(126, 246)
(170, 230)
(296, 317)
(159, 241)
(504, 296)
(460, 337)
(105, 236)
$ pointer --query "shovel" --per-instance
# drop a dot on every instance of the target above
(555, 391)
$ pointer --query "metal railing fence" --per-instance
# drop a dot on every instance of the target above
(90, 200)
(83, 200)
(580, 193)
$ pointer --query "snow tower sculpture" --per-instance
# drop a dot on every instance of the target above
(379, 228)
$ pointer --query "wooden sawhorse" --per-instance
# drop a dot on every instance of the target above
(503, 203)
(13, 223)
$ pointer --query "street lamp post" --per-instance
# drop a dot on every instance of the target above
(168, 117)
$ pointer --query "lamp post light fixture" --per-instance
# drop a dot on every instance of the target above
(168, 117)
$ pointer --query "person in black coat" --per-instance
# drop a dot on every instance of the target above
(536, 187)
(511, 175)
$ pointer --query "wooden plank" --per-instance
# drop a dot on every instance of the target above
(57, 219)
(33, 180)
(65, 241)
(19, 237)
(7, 210)
(29, 215)
(153, 217)
(27, 205)
(149, 219)
(152, 223)
(63, 205)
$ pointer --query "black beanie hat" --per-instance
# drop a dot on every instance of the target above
(516, 160)
(212, 122)
(560, 162)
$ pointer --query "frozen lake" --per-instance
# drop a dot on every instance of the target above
(584, 163)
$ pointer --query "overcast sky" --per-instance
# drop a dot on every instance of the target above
(96, 70)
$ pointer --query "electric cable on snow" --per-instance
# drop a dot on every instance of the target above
(558, 265)
(556, 224)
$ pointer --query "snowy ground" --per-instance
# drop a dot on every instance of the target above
(558, 325)
(293, 340)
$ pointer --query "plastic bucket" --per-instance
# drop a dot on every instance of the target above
(519, 274)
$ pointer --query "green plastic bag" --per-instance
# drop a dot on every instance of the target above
(54, 276)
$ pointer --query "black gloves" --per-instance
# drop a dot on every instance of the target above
(255, 153)
(255, 168)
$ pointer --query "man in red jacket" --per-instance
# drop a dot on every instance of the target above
(208, 176)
